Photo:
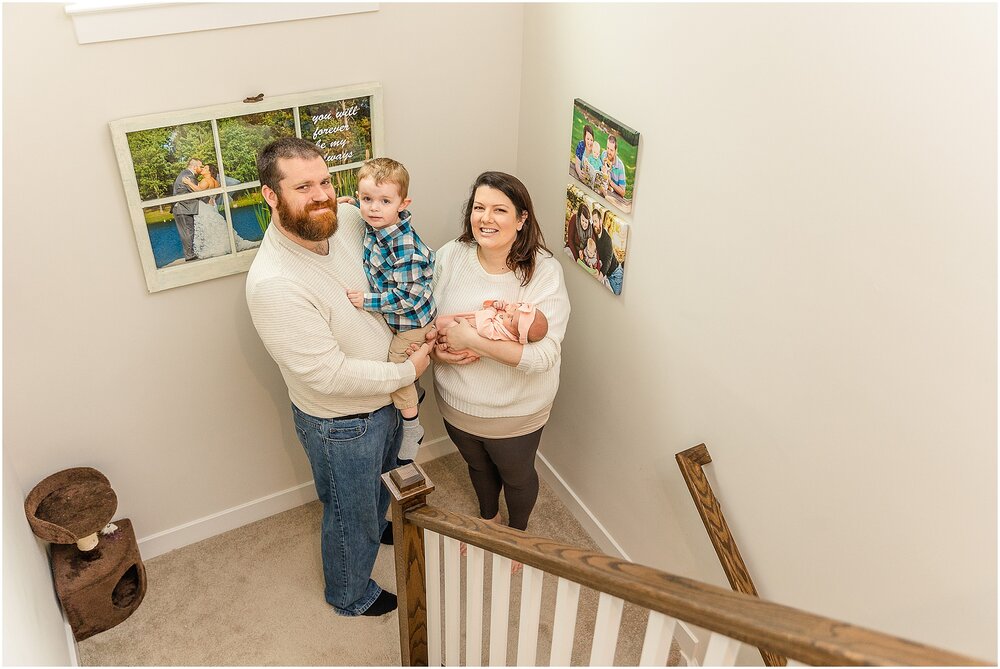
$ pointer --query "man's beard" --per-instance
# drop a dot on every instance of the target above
(314, 223)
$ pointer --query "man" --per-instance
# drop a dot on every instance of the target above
(185, 210)
(617, 168)
(610, 267)
(333, 360)
(582, 149)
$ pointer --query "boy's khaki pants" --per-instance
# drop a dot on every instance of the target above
(406, 397)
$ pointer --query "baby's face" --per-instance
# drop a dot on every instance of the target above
(510, 320)
(595, 150)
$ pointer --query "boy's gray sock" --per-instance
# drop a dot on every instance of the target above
(413, 434)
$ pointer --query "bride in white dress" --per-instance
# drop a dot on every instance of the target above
(211, 231)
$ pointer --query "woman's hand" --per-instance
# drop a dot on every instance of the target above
(459, 335)
(440, 353)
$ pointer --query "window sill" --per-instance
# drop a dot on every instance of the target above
(115, 20)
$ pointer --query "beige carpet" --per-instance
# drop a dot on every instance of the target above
(254, 596)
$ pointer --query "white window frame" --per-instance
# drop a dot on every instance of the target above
(110, 20)
(173, 276)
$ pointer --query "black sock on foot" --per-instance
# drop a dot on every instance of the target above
(385, 603)
(414, 418)
(387, 535)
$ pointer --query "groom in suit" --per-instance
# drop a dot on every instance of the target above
(185, 210)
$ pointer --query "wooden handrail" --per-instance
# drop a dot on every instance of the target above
(691, 462)
(796, 634)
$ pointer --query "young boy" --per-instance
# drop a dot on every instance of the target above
(399, 268)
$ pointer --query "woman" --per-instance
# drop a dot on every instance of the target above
(578, 231)
(495, 396)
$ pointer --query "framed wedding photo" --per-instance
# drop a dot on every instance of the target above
(604, 154)
(191, 182)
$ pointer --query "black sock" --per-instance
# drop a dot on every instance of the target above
(385, 603)
(414, 418)
(387, 535)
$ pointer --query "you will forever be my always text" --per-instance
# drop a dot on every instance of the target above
(330, 143)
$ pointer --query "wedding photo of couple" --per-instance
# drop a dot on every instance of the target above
(203, 230)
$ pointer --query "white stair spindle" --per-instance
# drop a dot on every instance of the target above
(474, 607)
(432, 577)
(564, 626)
(452, 601)
(531, 607)
(721, 651)
(659, 634)
(609, 616)
(499, 610)
(688, 644)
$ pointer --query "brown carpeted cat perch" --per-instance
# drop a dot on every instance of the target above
(100, 580)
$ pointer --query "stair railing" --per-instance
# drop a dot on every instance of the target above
(691, 462)
(430, 628)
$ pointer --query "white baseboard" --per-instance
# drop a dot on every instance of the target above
(435, 449)
(254, 510)
(583, 515)
(74, 650)
(258, 509)
(223, 521)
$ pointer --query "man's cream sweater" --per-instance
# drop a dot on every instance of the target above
(331, 355)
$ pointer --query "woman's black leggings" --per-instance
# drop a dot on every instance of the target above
(501, 463)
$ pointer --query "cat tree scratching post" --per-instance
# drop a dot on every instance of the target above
(100, 579)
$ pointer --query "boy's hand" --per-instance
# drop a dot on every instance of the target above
(347, 199)
(356, 297)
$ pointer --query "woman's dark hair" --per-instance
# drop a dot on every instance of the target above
(213, 170)
(529, 240)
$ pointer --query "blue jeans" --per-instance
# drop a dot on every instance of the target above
(615, 279)
(347, 456)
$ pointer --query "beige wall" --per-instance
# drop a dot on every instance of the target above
(172, 395)
(810, 290)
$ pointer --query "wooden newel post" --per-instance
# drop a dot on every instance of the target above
(409, 487)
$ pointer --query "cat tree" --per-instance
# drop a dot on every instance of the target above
(98, 572)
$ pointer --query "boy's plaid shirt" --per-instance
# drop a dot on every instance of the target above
(399, 268)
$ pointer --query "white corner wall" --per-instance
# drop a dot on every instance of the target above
(810, 290)
(172, 395)
(33, 629)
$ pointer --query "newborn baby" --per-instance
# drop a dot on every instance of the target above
(503, 321)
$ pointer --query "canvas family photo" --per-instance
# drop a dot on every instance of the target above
(604, 153)
(193, 188)
(595, 238)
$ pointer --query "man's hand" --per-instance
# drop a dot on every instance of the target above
(357, 298)
(421, 358)
(347, 199)
(430, 339)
